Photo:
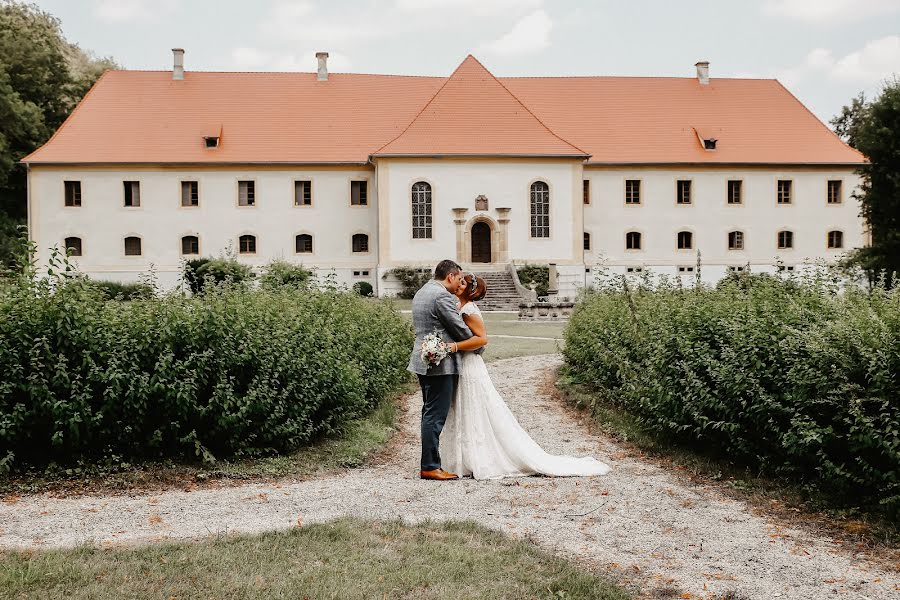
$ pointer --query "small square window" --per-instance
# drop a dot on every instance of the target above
(246, 193)
(303, 193)
(686, 269)
(359, 193)
(247, 244)
(735, 189)
(72, 193)
(785, 267)
(683, 188)
(132, 193)
(132, 246)
(634, 270)
(190, 244)
(632, 191)
(784, 191)
(73, 246)
(785, 240)
(190, 193)
(211, 141)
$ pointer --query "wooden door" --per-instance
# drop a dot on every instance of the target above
(481, 243)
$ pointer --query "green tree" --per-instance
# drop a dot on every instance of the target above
(42, 78)
(873, 128)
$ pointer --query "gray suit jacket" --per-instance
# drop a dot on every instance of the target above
(435, 309)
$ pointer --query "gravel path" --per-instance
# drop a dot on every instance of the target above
(640, 521)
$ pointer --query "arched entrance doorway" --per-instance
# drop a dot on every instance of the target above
(481, 242)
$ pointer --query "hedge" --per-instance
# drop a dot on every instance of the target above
(794, 377)
(234, 372)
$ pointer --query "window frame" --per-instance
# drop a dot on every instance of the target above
(690, 192)
(840, 192)
(588, 241)
(778, 234)
(625, 196)
(190, 235)
(350, 185)
(740, 187)
(255, 250)
(125, 245)
(790, 185)
(353, 237)
(312, 243)
(828, 234)
(66, 184)
(586, 192)
(743, 238)
(181, 193)
(237, 190)
(80, 245)
(640, 239)
(294, 183)
(428, 203)
(125, 187)
(532, 227)
(678, 240)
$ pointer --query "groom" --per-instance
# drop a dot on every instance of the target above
(435, 308)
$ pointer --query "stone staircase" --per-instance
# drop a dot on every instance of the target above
(501, 291)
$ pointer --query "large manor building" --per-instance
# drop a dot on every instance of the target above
(364, 173)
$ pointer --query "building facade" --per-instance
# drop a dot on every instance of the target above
(360, 174)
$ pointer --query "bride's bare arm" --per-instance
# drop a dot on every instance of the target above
(479, 334)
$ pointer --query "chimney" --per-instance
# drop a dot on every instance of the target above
(703, 72)
(178, 66)
(323, 66)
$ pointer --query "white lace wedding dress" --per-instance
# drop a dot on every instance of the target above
(482, 437)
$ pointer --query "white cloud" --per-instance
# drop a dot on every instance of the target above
(874, 62)
(255, 59)
(468, 7)
(829, 12)
(529, 34)
(122, 11)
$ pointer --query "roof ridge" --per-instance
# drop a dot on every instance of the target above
(68, 118)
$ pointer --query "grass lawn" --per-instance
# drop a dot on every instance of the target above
(347, 558)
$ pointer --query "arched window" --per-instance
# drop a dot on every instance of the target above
(540, 210)
(735, 240)
(587, 240)
(785, 240)
(190, 244)
(247, 244)
(132, 246)
(421, 210)
(73, 246)
(685, 240)
(633, 240)
(360, 242)
(303, 244)
(835, 239)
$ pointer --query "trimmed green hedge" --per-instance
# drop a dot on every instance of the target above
(793, 377)
(231, 372)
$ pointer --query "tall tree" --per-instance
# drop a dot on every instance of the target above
(42, 78)
(873, 128)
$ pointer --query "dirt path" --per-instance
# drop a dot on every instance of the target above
(640, 521)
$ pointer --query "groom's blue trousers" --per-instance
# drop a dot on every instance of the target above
(437, 394)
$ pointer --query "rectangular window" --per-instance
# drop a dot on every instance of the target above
(359, 193)
(246, 193)
(735, 191)
(587, 241)
(834, 192)
(132, 193)
(784, 191)
(785, 240)
(303, 193)
(736, 240)
(632, 191)
(190, 193)
(586, 191)
(72, 193)
(683, 188)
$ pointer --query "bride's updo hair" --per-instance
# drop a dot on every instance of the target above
(477, 288)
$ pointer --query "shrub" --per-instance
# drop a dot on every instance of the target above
(411, 279)
(231, 372)
(280, 273)
(795, 378)
(114, 290)
(537, 274)
(199, 272)
(363, 288)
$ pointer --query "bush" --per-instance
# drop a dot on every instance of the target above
(537, 274)
(280, 273)
(114, 290)
(363, 288)
(411, 279)
(795, 378)
(231, 372)
(199, 272)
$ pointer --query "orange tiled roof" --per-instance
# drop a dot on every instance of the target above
(474, 114)
(146, 117)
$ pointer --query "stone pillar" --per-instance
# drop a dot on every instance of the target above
(459, 218)
(553, 287)
(502, 234)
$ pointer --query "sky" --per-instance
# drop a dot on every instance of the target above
(824, 51)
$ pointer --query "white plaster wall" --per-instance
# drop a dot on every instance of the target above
(102, 221)
(710, 217)
(456, 183)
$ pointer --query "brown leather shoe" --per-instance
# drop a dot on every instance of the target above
(438, 475)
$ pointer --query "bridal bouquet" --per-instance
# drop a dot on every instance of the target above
(434, 350)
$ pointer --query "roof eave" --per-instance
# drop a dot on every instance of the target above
(354, 163)
(478, 155)
(721, 164)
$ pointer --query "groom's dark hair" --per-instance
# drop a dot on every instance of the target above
(444, 268)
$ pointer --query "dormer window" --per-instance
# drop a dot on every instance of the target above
(212, 141)
(709, 144)
(707, 138)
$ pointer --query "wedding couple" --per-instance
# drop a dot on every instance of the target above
(482, 437)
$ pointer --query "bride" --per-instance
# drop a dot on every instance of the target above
(482, 437)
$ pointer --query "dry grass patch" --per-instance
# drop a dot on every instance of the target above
(347, 558)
